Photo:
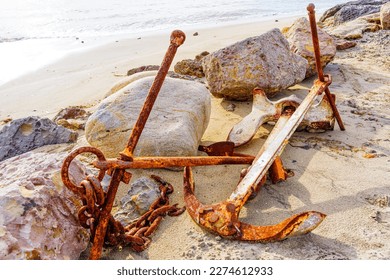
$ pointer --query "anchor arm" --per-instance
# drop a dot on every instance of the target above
(222, 218)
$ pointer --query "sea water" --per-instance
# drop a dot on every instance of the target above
(34, 33)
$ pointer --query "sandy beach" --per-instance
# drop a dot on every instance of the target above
(342, 174)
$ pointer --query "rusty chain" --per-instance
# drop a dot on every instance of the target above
(135, 235)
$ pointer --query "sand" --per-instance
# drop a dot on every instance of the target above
(342, 174)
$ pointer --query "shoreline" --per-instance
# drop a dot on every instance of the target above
(85, 76)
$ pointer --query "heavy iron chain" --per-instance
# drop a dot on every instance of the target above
(135, 235)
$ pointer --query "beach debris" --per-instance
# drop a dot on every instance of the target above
(142, 193)
(95, 213)
(385, 16)
(263, 61)
(191, 67)
(222, 218)
(195, 34)
(172, 133)
(22, 135)
(143, 69)
(38, 214)
(299, 37)
(349, 11)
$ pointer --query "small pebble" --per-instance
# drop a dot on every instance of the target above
(231, 107)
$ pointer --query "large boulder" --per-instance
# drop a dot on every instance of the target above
(351, 10)
(300, 40)
(175, 126)
(263, 61)
(385, 16)
(38, 214)
(23, 135)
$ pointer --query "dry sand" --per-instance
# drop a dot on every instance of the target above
(342, 174)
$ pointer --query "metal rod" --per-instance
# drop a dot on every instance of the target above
(317, 54)
(96, 250)
(163, 162)
(177, 39)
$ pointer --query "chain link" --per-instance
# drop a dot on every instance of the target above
(135, 235)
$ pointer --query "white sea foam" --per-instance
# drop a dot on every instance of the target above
(34, 33)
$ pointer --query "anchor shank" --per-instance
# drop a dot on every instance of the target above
(177, 39)
(274, 148)
(317, 54)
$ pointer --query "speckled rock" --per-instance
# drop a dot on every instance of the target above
(38, 214)
(385, 15)
(299, 37)
(23, 135)
(351, 10)
(175, 126)
(263, 61)
(142, 193)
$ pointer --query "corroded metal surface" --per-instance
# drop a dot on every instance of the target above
(317, 54)
(222, 218)
(164, 162)
(319, 117)
(177, 39)
(95, 214)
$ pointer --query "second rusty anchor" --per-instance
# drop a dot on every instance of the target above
(222, 218)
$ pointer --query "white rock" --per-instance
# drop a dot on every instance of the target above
(175, 126)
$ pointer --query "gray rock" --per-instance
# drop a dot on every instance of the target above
(142, 193)
(300, 40)
(142, 69)
(38, 214)
(385, 16)
(23, 135)
(175, 126)
(263, 61)
(351, 10)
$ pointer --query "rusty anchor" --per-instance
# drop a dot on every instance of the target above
(223, 218)
(95, 214)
